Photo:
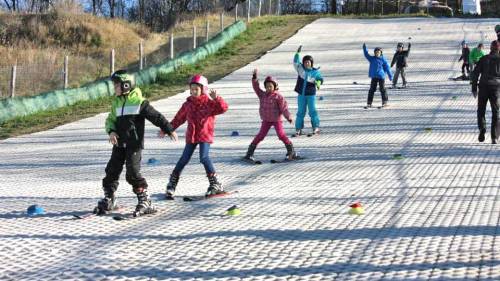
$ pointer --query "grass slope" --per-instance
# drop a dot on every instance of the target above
(262, 35)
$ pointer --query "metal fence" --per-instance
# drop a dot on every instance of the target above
(52, 73)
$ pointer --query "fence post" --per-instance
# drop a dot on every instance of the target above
(141, 55)
(208, 30)
(221, 22)
(236, 13)
(248, 11)
(260, 7)
(13, 81)
(66, 67)
(194, 36)
(172, 45)
(112, 61)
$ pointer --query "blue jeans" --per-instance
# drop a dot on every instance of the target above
(305, 103)
(204, 158)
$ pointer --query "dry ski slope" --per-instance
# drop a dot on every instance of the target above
(432, 215)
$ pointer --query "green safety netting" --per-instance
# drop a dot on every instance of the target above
(22, 106)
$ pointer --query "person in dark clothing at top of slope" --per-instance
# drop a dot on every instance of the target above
(400, 58)
(379, 68)
(465, 58)
(487, 76)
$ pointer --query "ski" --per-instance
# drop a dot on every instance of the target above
(297, 158)
(250, 161)
(204, 197)
(312, 134)
(93, 214)
(133, 215)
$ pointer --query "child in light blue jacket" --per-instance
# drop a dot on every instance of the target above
(308, 81)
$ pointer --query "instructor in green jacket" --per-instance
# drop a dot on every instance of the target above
(476, 54)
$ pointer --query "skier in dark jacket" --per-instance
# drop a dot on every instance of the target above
(125, 127)
(465, 58)
(400, 58)
(487, 75)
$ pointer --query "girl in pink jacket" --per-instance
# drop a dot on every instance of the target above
(199, 111)
(272, 107)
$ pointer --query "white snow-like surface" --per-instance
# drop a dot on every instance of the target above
(433, 215)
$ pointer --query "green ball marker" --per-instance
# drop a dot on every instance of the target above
(428, 129)
(233, 211)
(398, 156)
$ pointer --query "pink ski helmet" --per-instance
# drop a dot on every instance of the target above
(202, 81)
(271, 80)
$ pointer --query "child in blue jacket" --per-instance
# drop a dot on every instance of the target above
(308, 81)
(379, 67)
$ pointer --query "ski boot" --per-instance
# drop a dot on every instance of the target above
(144, 205)
(215, 186)
(290, 152)
(172, 183)
(315, 131)
(250, 151)
(106, 204)
(481, 137)
(298, 133)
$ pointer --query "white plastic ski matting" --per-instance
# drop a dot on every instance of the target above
(432, 215)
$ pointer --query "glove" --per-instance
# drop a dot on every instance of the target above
(299, 49)
(113, 138)
(318, 83)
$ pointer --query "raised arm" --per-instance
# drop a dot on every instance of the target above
(365, 52)
(218, 104)
(255, 84)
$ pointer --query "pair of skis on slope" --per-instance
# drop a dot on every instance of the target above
(117, 215)
(272, 161)
(184, 198)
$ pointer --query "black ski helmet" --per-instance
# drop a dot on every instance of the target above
(378, 49)
(309, 58)
(401, 45)
(126, 80)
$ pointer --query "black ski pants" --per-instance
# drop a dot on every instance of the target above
(131, 157)
(465, 66)
(373, 88)
(491, 94)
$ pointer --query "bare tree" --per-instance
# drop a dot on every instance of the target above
(96, 7)
(12, 5)
(111, 6)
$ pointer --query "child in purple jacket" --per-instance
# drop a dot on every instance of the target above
(272, 107)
